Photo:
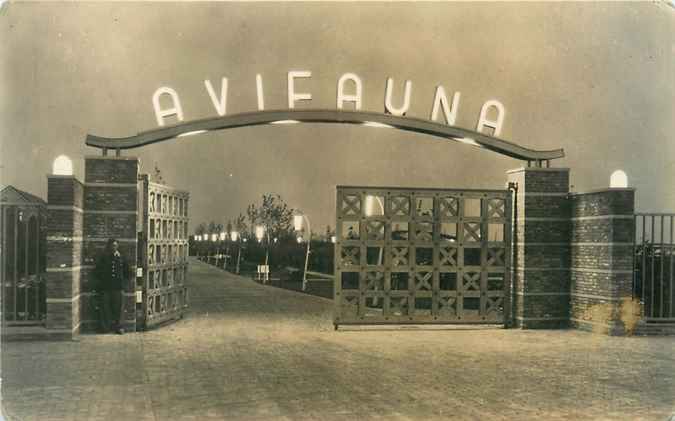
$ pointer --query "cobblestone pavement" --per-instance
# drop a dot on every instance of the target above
(247, 351)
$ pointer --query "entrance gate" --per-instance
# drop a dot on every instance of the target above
(422, 256)
(165, 261)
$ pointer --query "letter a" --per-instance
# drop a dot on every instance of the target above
(219, 104)
(483, 120)
(342, 97)
(176, 110)
(441, 100)
(406, 99)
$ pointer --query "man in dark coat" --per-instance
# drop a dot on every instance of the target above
(112, 274)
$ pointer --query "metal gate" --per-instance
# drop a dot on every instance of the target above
(653, 266)
(165, 261)
(422, 256)
(22, 258)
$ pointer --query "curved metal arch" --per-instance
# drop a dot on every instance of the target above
(367, 118)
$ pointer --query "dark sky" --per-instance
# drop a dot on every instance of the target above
(597, 79)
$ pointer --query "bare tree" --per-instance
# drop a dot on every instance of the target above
(273, 213)
(215, 228)
(201, 229)
(240, 224)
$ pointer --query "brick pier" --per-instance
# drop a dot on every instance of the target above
(542, 234)
(81, 218)
(573, 260)
(64, 255)
(602, 261)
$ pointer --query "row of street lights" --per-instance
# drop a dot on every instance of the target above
(234, 236)
(260, 232)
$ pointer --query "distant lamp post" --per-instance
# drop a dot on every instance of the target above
(298, 219)
(370, 205)
(234, 236)
(370, 211)
(219, 253)
(62, 166)
(199, 248)
(214, 238)
(618, 179)
(259, 233)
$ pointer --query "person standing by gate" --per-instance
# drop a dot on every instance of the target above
(112, 273)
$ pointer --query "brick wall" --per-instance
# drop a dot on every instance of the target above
(64, 255)
(542, 250)
(602, 261)
(110, 211)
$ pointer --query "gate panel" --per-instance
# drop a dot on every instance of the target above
(165, 293)
(422, 256)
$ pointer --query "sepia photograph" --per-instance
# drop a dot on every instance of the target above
(345, 210)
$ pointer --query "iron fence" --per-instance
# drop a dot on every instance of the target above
(23, 294)
(653, 265)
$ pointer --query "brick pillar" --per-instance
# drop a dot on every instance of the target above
(602, 261)
(64, 250)
(110, 211)
(542, 251)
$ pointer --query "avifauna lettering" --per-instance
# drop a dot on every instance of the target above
(349, 91)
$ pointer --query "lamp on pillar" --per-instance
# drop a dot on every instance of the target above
(298, 219)
(62, 166)
(618, 179)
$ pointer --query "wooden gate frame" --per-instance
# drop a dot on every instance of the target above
(363, 290)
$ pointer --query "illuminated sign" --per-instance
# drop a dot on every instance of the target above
(349, 91)
(440, 123)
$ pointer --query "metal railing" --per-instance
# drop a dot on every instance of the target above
(22, 271)
(653, 264)
(24, 300)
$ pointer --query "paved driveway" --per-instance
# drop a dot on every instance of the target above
(247, 351)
